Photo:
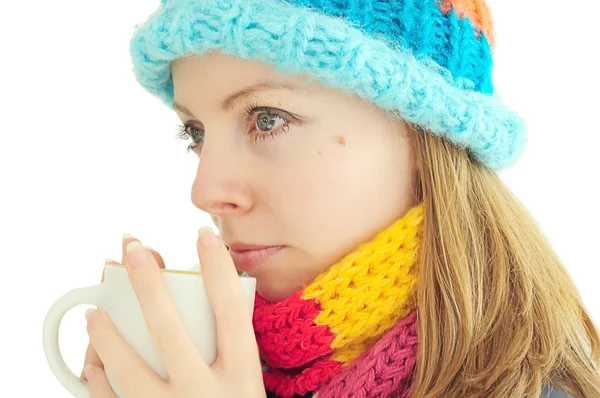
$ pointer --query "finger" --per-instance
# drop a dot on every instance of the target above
(235, 334)
(127, 238)
(98, 383)
(169, 334)
(91, 358)
(157, 257)
(130, 372)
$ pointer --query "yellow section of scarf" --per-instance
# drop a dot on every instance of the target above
(368, 291)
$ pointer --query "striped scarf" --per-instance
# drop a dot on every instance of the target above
(352, 331)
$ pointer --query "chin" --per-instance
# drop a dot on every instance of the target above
(272, 290)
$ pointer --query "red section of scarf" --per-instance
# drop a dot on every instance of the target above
(287, 335)
(297, 353)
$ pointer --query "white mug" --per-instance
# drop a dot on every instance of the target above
(116, 296)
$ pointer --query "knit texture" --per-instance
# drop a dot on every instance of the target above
(333, 334)
(385, 370)
(428, 62)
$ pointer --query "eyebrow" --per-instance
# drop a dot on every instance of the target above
(230, 102)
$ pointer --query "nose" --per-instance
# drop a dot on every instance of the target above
(221, 187)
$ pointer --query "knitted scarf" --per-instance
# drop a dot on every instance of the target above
(352, 331)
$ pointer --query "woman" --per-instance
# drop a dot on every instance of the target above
(348, 154)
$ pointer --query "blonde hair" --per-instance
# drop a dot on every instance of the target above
(499, 316)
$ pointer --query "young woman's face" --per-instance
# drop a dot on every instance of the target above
(310, 169)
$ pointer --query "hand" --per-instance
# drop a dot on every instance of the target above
(91, 357)
(237, 369)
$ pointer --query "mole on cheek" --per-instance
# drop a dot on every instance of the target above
(340, 140)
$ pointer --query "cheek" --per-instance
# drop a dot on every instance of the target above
(317, 183)
(343, 184)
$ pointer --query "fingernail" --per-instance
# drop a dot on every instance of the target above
(136, 254)
(89, 371)
(127, 236)
(208, 239)
(91, 315)
(148, 247)
(110, 260)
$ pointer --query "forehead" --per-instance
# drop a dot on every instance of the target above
(218, 68)
(223, 81)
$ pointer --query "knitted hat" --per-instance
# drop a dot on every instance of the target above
(429, 61)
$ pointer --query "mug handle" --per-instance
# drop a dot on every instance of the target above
(86, 295)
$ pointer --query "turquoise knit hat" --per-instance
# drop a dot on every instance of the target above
(430, 61)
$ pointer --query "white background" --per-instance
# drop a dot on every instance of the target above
(86, 154)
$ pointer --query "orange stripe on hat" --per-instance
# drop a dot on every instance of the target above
(477, 11)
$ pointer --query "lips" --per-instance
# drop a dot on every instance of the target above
(249, 259)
